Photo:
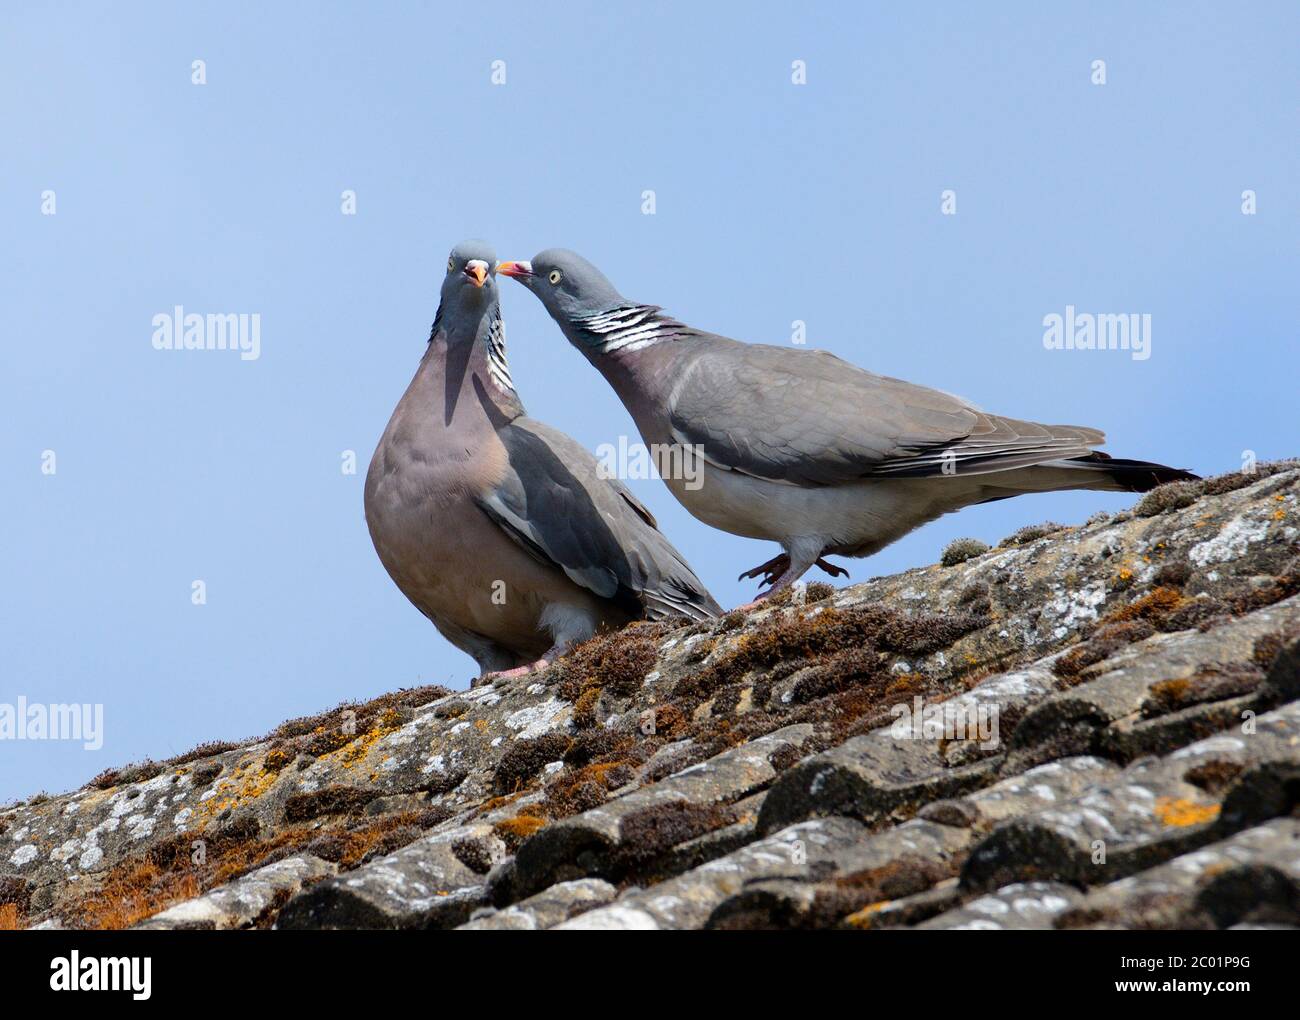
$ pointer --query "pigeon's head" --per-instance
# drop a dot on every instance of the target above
(470, 282)
(567, 284)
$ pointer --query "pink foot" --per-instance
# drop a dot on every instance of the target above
(509, 674)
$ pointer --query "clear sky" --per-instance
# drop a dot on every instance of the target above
(775, 202)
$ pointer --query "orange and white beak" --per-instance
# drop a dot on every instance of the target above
(477, 270)
(518, 270)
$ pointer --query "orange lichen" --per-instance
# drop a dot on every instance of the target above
(1153, 606)
(9, 918)
(276, 759)
(1181, 812)
(515, 830)
(865, 917)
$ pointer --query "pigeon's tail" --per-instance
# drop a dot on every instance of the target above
(1095, 471)
(1132, 475)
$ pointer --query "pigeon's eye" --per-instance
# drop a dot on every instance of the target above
(556, 276)
(451, 265)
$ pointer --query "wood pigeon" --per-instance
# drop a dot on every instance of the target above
(800, 447)
(500, 529)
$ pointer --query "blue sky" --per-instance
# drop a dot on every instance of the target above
(774, 202)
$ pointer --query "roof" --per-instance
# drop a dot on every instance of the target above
(1093, 726)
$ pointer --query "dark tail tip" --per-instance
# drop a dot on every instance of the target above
(1141, 475)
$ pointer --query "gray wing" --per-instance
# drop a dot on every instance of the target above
(809, 418)
(555, 505)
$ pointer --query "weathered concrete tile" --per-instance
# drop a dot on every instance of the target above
(1155, 695)
(590, 843)
(239, 903)
(423, 885)
(549, 907)
(1147, 814)
(1253, 875)
(871, 775)
(1019, 906)
(907, 859)
(687, 900)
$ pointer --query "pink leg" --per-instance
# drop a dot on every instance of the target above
(551, 654)
(785, 573)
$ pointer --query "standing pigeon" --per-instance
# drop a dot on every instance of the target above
(799, 447)
(498, 528)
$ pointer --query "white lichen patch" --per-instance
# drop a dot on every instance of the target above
(139, 826)
(1072, 608)
(90, 858)
(1232, 541)
(535, 720)
(23, 855)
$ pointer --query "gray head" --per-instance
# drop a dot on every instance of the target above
(469, 289)
(567, 284)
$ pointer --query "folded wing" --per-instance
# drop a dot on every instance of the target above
(555, 505)
(809, 418)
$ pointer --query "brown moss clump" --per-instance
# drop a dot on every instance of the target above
(669, 721)
(1174, 574)
(579, 790)
(137, 773)
(15, 898)
(1170, 496)
(1031, 533)
(810, 636)
(848, 900)
(647, 834)
(361, 842)
(357, 716)
(1234, 480)
(205, 773)
(1101, 646)
(525, 758)
(1214, 683)
(131, 892)
(784, 757)
(836, 673)
(959, 550)
(617, 661)
(584, 707)
(332, 800)
(475, 854)
(446, 782)
(734, 620)
(208, 749)
(815, 591)
(513, 831)
(176, 851)
(1214, 776)
(15, 891)
(592, 745)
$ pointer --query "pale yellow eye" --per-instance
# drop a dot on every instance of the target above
(556, 276)
(451, 265)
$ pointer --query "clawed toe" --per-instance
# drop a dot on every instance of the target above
(770, 570)
(831, 568)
